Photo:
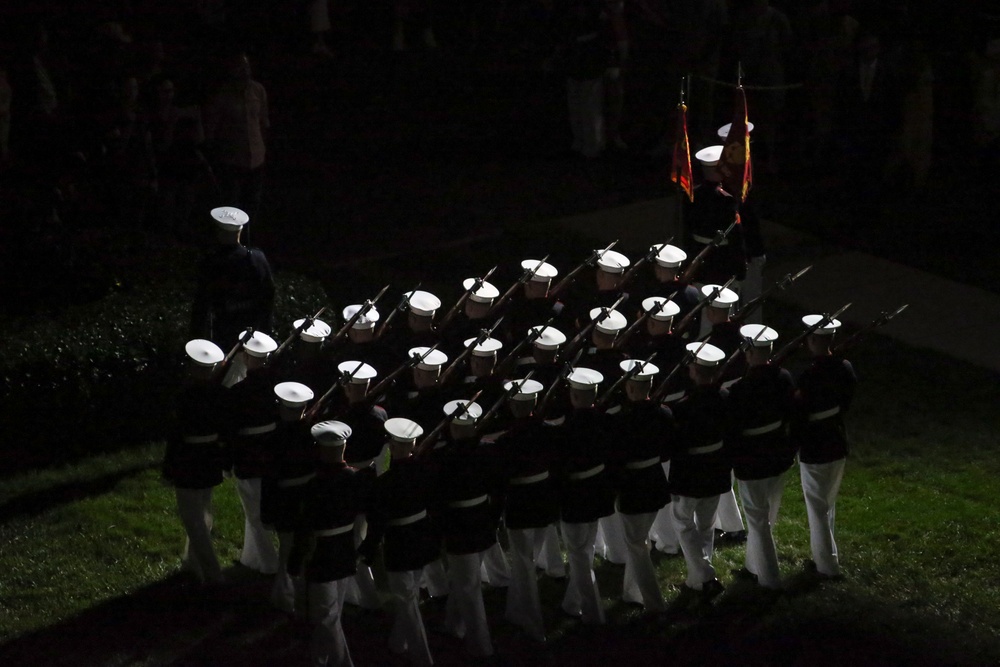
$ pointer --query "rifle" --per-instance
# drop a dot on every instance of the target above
(377, 390)
(648, 257)
(515, 387)
(879, 321)
(403, 304)
(632, 372)
(740, 349)
(527, 275)
(563, 374)
(362, 311)
(590, 261)
(700, 257)
(297, 331)
(483, 335)
(621, 340)
(431, 437)
(476, 284)
(783, 284)
(344, 378)
(603, 315)
(687, 319)
(657, 395)
(247, 335)
(785, 352)
(533, 335)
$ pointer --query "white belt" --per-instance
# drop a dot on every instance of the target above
(705, 240)
(676, 396)
(706, 449)
(362, 464)
(824, 414)
(295, 481)
(330, 532)
(639, 465)
(200, 439)
(257, 430)
(407, 520)
(530, 479)
(471, 502)
(729, 383)
(761, 430)
(558, 421)
(586, 473)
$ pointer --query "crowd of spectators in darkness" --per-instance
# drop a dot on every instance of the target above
(99, 128)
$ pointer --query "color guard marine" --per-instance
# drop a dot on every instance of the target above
(713, 212)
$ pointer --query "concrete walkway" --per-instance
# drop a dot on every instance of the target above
(944, 316)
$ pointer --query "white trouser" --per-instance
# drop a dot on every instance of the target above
(496, 569)
(283, 590)
(194, 506)
(640, 583)
(695, 518)
(524, 608)
(408, 634)
(585, 100)
(582, 596)
(610, 541)
(752, 287)
(820, 486)
(361, 590)
(258, 551)
(328, 645)
(761, 499)
(548, 555)
(435, 578)
(728, 519)
(663, 532)
(465, 614)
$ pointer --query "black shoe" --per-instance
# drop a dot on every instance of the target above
(744, 574)
(711, 590)
(735, 537)
(810, 568)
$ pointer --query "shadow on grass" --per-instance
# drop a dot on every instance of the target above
(176, 622)
(38, 502)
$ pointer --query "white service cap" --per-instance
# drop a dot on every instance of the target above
(293, 394)
(612, 261)
(724, 130)
(432, 361)
(358, 375)
(229, 218)
(316, 333)
(667, 310)
(706, 354)
(403, 430)
(644, 374)
(259, 344)
(526, 389)
(545, 272)
(485, 349)
(331, 433)
(611, 324)
(550, 339)
(669, 256)
(423, 303)
(726, 297)
(826, 330)
(474, 411)
(584, 378)
(486, 292)
(366, 321)
(709, 156)
(758, 334)
(204, 352)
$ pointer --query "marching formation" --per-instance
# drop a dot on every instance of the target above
(600, 410)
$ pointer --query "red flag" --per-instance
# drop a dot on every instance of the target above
(734, 165)
(681, 171)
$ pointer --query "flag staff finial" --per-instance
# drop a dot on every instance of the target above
(683, 79)
(739, 73)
